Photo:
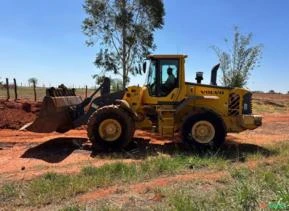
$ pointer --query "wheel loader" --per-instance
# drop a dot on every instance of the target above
(201, 113)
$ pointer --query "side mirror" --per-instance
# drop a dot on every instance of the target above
(144, 67)
(199, 77)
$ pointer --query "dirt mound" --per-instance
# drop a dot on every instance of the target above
(13, 115)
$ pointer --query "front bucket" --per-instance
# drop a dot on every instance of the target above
(56, 114)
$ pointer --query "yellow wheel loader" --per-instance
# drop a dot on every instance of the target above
(202, 114)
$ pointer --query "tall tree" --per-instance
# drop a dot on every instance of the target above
(239, 60)
(123, 31)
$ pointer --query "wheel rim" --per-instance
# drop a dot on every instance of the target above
(203, 132)
(109, 130)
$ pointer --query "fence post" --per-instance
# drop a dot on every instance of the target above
(7, 87)
(86, 91)
(15, 89)
(34, 89)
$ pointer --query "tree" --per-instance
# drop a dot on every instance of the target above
(116, 84)
(34, 82)
(123, 29)
(239, 60)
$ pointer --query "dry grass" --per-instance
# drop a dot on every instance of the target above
(268, 106)
(27, 93)
(270, 103)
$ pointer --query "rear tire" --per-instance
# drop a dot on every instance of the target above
(204, 131)
(110, 127)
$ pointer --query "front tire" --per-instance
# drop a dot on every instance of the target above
(110, 127)
(204, 131)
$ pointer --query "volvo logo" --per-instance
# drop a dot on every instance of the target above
(212, 92)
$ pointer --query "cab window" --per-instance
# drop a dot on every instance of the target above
(151, 79)
(168, 76)
(162, 77)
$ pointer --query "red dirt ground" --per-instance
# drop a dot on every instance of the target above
(25, 155)
(13, 115)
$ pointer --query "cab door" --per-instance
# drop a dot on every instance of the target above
(162, 85)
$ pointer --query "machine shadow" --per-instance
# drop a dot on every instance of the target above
(237, 151)
(55, 150)
(142, 148)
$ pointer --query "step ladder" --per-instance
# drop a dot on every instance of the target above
(166, 121)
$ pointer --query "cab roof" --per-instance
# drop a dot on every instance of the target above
(166, 56)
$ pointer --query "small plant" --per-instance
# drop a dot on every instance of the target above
(237, 62)
(182, 201)
(8, 191)
(246, 196)
(72, 208)
(240, 173)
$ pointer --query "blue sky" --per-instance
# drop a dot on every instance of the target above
(43, 39)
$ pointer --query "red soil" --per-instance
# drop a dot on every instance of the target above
(13, 115)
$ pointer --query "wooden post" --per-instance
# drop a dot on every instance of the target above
(86, 91)
(15, 89)
(34, 89)
(7, 87)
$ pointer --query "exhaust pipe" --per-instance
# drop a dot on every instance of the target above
(214, 75)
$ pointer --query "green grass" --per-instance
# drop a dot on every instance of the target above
(247, 189)
(72, 208)
(265, 186)
(53, 188)
(8, 191)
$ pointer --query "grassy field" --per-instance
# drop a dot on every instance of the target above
(27, 93)
(56, 187)
(242, 187)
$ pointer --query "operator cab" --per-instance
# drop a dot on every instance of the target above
(163, 74)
